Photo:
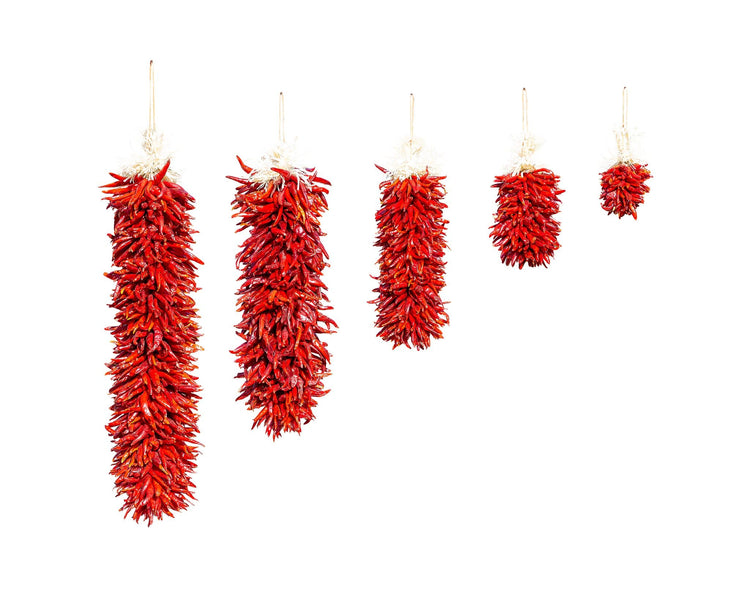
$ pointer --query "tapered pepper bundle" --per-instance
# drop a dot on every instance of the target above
(411, 238)
(525, 230)
(154, 415)
(624, 183)
(623, 188)
(282, 297)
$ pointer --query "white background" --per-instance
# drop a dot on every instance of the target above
(582, 430)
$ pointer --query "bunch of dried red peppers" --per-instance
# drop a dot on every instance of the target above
(154, 417)
(624, 183)
(411, 238)
(525, 230)
(282, 297)
(623, 188)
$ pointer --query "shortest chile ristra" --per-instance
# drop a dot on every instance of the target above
(282, 298)
(623, 188)
(624, 183)
(411, 238)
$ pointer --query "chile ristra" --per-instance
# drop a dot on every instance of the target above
(411, 238)
(282, 298)
(525, 230)
(154, 415)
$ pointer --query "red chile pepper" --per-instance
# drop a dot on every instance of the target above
(282, 297)
(411, 238)
(525, 231)
(623, 188)
(154, 415)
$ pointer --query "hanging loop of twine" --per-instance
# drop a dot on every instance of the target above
(282, 133)
(411, 123)
(411, 117)
(152, 103)
(624, 152)
(152, 140)
(527, 143)
(154, 157)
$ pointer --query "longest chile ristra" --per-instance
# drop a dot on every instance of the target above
(154, 416)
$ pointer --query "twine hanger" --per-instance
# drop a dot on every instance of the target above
(152, 102)
(624, 151)
(282, 133)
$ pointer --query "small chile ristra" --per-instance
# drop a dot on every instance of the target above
(282, 297)
(154, 415)
(624, 183)
(411, 238)
(525, 230)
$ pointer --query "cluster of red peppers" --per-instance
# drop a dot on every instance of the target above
(525, 230)
(282, 297)
(623, 188)
(154, 415)
(411, 238)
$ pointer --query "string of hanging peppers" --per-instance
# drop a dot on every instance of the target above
(282, 297)
(624, 183)
(525, 230)
(154, 415)
(153, 424)
(411, 238)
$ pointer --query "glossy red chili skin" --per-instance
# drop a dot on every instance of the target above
(153, 424)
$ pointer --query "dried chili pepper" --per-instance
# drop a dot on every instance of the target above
(525, 231)
(623, 188)
(282, 298)
(154, 415)
(411, 238)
